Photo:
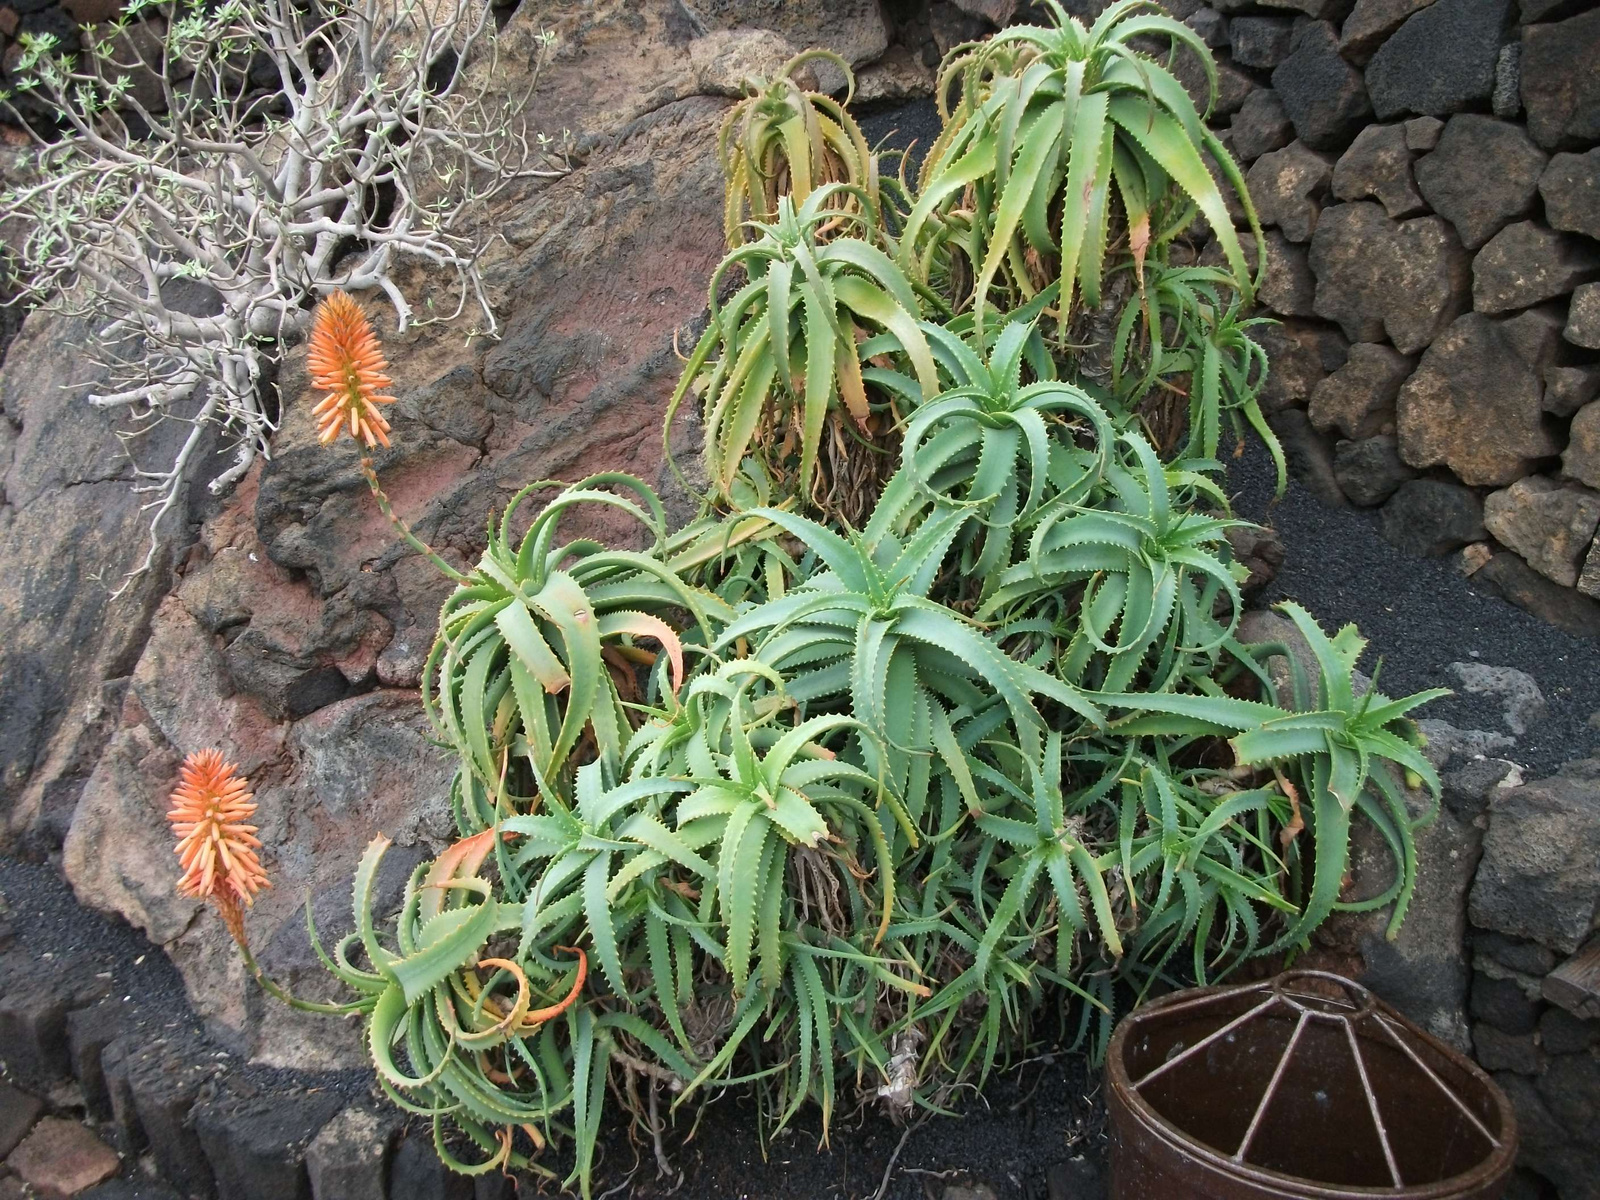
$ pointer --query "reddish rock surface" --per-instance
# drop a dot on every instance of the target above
(62, 1158)
(292, 629)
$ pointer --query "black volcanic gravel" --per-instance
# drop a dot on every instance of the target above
(1420, 614)
(1034, 1117)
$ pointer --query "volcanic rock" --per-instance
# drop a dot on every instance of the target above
(1358, 399)
(18, 1112)
(1211, 25)
(1286, 185)
(1309, 454)
(1560, 86)
(1289, 287)
(1540, 874)
(1583, 318)
(1514, 580)
(1526, 263)
(1378, 278)
(1570, 186)
(1322, 93)
(349, 1158)
(1483, 175)
(1261, 125)
(1507, 99)
(1441, 60)
(1581, 461)
(1568, 389)
(1422, 133)
(1535, 335)
(1550, 526)
(1473, 405)
(62, 1158)
(1378, 164)
(1301, 354)
(1430, 517)
(853, 29)
(257, 1144)
(1260, 41)
(1371, 470)
(1370, 23)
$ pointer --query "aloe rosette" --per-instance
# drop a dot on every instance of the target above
(783, 140)
(785, 346)
(1051, 123)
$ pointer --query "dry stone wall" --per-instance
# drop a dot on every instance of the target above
(1429, 177)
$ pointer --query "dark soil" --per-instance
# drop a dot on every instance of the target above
(1032, 1118)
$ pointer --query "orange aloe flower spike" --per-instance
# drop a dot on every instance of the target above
(347, 363)
(216, 848)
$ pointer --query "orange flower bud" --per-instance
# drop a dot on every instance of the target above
(347, 363)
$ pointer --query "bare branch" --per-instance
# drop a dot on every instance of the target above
(255, 194)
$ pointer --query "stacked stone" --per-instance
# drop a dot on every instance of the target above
(1532, 913)
(1429, 178)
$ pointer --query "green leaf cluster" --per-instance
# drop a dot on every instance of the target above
(828, 809)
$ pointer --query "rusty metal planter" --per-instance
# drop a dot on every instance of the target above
(1301, 1086)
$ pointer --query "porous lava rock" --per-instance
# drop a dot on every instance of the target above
(1358, 399)
(1560, 86)
(1430, 517)
(1289, 288)
(1483, 175)
(1286, 186)
(1549, 525)
(1472, 404)
(1570, 186)
(1261, 125)
(1568, 389)
(1423, 133)
(1506, 575)
(1528, 262)
(1440, 61)
(1261, 42)
(1583, 317)
(1378, 164)
(1381, 278)
(1309, 454)
(1539, 877)
(1302, 354)
(1370, 23)
(1371, 470)
(1324, 95)
(73, 532)
(853, 29)
(1581, 460)
(1535, 335)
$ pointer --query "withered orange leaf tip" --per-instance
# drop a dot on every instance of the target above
(347, 363)
(216, 848)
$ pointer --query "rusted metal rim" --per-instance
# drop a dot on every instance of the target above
(1282, 997)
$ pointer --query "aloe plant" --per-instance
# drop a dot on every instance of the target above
(782, 140)
(1052, 122)
(786, 344)
(533, 644)
(821, 806)
(1210, 348)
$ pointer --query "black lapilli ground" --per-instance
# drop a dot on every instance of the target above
(1034, 1117)
(1420, 615)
